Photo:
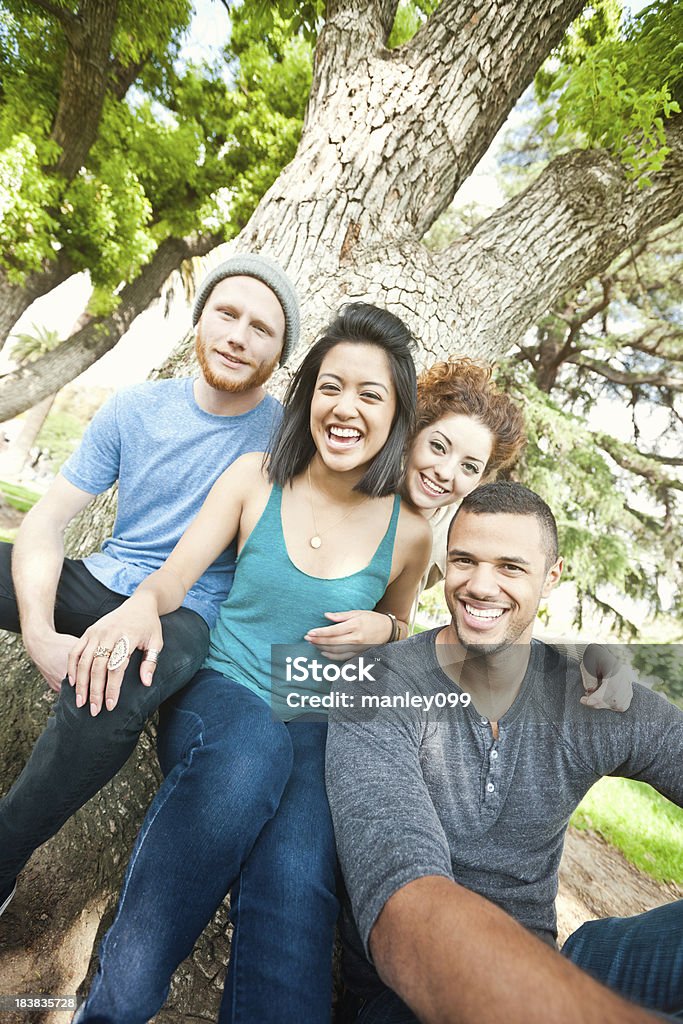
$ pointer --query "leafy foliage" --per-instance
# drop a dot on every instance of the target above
(27, 227)
(665, 663)
(304, 17)
(29, 346)
(184, 149)
(617, 345)
(410, 15)
(619, 80)
(610, 547)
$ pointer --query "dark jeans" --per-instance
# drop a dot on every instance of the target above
(640, 958)
(77, 754)
(242, 808)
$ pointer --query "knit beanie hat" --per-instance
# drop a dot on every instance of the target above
(252, 264)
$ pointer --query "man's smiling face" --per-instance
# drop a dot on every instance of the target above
(240, 335)
(496, 575)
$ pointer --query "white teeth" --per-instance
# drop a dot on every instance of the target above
(344, 432)
(431, 486)
(484, 613)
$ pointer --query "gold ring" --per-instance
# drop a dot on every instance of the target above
(151, 655)
(101, 652)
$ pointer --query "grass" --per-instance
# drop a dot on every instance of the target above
(646, 827)
(21, 498)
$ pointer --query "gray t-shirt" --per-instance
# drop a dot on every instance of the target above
(418, 792)
(166, 453)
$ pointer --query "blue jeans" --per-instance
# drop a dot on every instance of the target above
(242, 809)
(640, 958)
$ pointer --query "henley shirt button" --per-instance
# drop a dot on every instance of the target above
(494, 755)
(484, 721)
(490, 787)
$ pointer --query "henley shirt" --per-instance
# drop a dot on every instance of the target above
(418, 792)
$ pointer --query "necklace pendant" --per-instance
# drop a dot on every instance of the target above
(315, 542)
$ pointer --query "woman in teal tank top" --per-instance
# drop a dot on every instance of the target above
(321, 535)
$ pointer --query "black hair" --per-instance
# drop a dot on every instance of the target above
(508, 497)
(293, 446)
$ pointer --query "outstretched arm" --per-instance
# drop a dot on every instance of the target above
(455, 958)
(37, 560)
(449, 953)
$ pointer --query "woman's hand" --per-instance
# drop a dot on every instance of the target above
(607, 682)
(93, 669)
(352, 633)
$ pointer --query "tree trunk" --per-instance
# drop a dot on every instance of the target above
(389, 137)
(15, 299)
(15, 456)
(85, 78)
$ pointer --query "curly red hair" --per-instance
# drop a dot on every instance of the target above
(464, 386)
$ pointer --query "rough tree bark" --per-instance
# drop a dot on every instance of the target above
(85, 78)
(389, 136)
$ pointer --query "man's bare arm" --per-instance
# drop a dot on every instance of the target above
(37, 561)
(455, 958)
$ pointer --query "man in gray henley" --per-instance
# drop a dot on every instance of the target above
(440, 802)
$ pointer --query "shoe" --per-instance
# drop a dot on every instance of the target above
(6, 895)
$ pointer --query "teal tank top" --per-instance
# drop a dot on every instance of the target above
(273, 602)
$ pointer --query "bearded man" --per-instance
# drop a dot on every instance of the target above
(165, 442)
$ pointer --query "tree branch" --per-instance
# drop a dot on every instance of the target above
(623, 624)
(661, 380)
(15, 299)
(122, 77)
(416, 120)
(367, 22)
(579, 317)
(67, 19)
(567, 227)
(24, 387)
(492, 53)
(667, 332)
(649, 522)
(628, 457)
(85, 76)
